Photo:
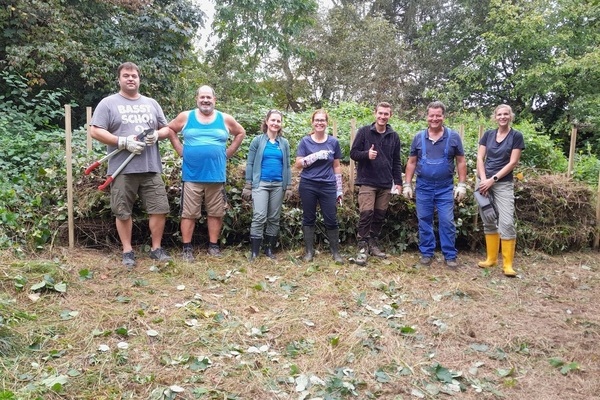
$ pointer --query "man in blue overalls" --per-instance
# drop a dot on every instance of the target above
(433, 153)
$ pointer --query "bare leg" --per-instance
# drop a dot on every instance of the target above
(124, 228)
(214, 228)
(187, 229)
(157, 227)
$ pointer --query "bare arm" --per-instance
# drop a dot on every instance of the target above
(461, 167)
(337, 167)
(238, 132)
(411, 165)
(485, 183)
(176, 126)
(104, 136)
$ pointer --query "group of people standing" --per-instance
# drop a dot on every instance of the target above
(436, 155)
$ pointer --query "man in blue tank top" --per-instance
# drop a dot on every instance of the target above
(205, 132)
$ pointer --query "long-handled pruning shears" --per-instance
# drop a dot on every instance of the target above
(96, 164)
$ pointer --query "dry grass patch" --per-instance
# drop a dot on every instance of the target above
(229, 329)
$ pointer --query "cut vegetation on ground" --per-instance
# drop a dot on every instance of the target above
(75, 324)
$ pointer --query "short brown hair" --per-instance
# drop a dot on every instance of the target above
(437, 104)
(128, 65)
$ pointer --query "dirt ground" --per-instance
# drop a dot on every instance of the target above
(229, 329)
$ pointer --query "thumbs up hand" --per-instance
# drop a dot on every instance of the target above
(372, 152)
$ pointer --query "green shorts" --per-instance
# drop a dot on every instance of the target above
(150, 188)
(194, 194)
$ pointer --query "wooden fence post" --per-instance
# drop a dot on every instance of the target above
(572, 151)
(352, 164)
(88, 120)
(597, 238)
(69, 160)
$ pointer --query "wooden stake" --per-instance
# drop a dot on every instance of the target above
(88, 112)
(69, 160)
(352, 166)
(597, 238)
(572, 151)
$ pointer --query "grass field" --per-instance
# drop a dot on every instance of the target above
(75, 324)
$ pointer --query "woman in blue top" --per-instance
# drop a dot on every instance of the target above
(497, 156)
(318, 155)
(267, 178)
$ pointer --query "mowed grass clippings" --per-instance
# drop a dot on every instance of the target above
(224, 328)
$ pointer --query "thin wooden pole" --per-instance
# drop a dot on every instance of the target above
(572, 151)
(461, 132)
(352, 166)
(69, 160)
(334, 129)
(597, 239)
(88, 120)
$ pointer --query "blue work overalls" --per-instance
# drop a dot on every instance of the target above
(434, 190)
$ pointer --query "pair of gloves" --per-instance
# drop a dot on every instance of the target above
(460, 191)
(247, 192)
(133, 145)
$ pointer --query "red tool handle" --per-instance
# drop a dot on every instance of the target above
(106, 183)
(92, 167)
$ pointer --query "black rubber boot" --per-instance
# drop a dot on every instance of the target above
(270, 243)
(309, 242)
(255, 243)
(334, 241)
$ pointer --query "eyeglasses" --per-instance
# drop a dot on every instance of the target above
(319, 120)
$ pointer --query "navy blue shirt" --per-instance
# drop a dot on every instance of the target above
(320, 170)
(435, 150)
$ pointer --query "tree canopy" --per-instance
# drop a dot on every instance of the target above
(540, 56)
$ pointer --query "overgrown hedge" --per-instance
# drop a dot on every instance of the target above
(33, 210)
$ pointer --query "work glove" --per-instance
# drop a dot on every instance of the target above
(131, 144)
(288, 193)
(247, 191)
(151, 138)
(311, 158)
(407, 190)
(460, 191)
(339, 187)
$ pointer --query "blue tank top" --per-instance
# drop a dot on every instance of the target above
(204, 145)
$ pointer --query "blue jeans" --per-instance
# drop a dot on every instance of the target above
(434, 195)
(267, 199)
(323, 194)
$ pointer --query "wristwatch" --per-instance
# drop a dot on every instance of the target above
(495, 178)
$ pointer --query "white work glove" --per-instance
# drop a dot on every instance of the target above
(311, 158)
(339, 187)
(407, 191)
(247, 191)
(288, 193)
(131, 144)
(460, 191)
(151, 138)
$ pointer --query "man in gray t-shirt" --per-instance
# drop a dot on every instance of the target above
(116, 122)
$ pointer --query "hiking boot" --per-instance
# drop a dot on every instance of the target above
(374, 250)
(452, 264)
(214, 251)
(129, 259)
(425, 261)
(159, 254)
(188, 254)
(363, 253)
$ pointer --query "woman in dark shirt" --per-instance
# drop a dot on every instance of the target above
(497, 156)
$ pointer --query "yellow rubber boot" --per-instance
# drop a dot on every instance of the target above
(508, 254)
(492, 246)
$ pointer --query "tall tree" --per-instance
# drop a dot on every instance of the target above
(256, 41)
(77, 45)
